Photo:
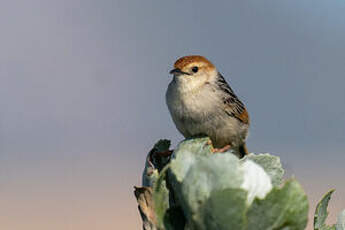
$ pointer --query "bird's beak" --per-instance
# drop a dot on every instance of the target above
(177, 71)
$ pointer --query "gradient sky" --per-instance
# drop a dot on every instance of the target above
(82, 97)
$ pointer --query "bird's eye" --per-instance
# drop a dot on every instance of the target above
(195, 69)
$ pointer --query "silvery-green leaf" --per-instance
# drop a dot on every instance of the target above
(271, 165)
(161, 199)
(225, 209)
(255, 181)
(207, 174)
(186, 153)
(200, 189)
(150, 175)
(340, 225)
(285, 207)
(321, 213)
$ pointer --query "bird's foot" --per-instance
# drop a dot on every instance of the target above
(221, 150)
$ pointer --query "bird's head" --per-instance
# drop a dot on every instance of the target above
(191, 72)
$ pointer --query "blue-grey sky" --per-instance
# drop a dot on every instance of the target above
(83, 85)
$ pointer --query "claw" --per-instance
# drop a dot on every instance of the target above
(221, 150)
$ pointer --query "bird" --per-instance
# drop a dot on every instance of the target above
(201, 102)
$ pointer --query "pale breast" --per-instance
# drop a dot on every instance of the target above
(202, 112)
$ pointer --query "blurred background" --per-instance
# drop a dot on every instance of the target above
(82, 97)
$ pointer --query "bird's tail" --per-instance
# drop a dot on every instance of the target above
(243, 150)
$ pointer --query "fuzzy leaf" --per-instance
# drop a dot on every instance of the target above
(340, 225)
(271, 165)
(255, 181)
(202, 190)
(209, 173)
(285, 207)
(196, 172)
(321, 213)
(186, 153)
(225, 209)
(161, 199)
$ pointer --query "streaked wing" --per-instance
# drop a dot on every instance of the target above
(233, 106)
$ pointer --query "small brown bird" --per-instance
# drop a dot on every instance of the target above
(201, 102)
